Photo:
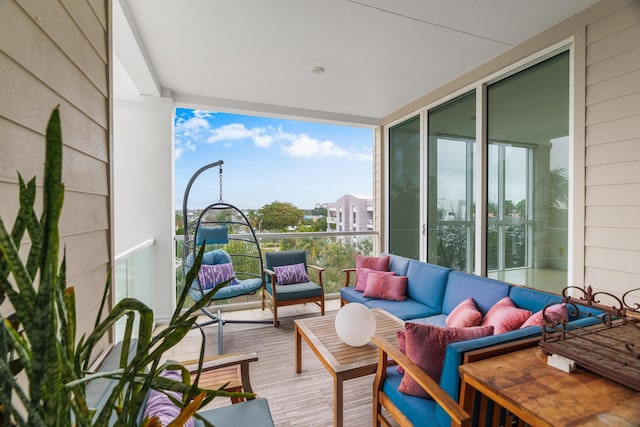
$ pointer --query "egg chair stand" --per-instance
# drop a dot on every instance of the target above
(232, 252)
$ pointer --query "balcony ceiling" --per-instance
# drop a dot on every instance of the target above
(259, 56)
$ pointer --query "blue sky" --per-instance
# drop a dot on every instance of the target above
(268, 159)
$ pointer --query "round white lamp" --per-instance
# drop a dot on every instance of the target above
(355, 324)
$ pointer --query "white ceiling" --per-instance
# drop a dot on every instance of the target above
(258, 55)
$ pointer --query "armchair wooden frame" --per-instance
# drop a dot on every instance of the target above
(271, 300)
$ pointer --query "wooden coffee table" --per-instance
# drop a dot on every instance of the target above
(341, 360)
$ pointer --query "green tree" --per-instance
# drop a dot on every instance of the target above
(278, 216)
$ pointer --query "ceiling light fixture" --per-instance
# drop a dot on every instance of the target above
(318, 70)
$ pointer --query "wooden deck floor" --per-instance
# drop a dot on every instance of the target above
(304, 399)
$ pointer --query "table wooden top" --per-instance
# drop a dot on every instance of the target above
(320, 333)
(543, 395)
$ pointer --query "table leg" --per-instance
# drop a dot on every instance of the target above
(298, 351)
(337, 401)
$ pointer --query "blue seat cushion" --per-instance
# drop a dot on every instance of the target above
(407, 309)
(426, 283)
(244, 287)
(418, 410)
(253, 413)
(350, 294)
(296, 291)
(436, 320)
(484, 291)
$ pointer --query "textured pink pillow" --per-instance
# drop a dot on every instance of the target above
(426, 345)
(380, 263)
(505, 316)
(385, 285)
(466, 314)
(555, 313)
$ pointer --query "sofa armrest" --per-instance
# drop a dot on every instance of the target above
(387, 350)
(347, 275)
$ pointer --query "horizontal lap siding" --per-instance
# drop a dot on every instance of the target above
(56, 53)
(612, 174)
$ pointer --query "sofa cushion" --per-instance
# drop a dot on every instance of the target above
(349, 294)
(386, 285)
(405, 310)
(418, 410)
(380, 263)
(465, 315)
(398, 263)
(504, 316)
(484, 291)
(426, 345)
(531, 299)
(426, 283)
(555, 313)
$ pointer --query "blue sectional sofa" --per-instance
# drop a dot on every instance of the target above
(432, 293)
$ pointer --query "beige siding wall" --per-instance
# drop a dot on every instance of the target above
(56, 53)
(612, 173)
(606, 131)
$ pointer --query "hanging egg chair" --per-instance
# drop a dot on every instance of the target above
(232, 253)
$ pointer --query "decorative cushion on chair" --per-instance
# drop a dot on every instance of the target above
(505, 316)
(465, 315)
(555, 313)
(426, 346)
(212, 275)
(385, 285)
(212, 235)
(158, 403)
(291, 274)
(380, 263)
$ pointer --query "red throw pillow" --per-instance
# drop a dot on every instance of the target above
(505, 316)
(556, 313)
(465, 315)
(426, 346)
(380, 263)
(385, 285)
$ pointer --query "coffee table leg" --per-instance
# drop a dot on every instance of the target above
(298, 351)
(337, 401)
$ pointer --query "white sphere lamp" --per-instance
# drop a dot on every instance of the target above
(355, 324)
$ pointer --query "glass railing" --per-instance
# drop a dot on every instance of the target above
(333, 251)
(134, 278)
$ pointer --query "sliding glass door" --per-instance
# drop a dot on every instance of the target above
(528, 163)
(451, 184)
(404, 189)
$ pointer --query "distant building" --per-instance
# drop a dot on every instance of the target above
(350, 213)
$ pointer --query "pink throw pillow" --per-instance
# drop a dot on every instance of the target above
(385, 285)
(426, 346)
(402, 346)
(372, 263)
(364, 274)
(505, 316)
(557, 313)
(465, 315)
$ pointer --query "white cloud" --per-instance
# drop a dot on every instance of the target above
(177, 153)
(305, 146)
(238, 131)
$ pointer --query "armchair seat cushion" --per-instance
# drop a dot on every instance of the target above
(420, 411)
(296, 291)
(253, 413)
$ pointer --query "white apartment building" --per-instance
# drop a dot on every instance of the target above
(350, 213)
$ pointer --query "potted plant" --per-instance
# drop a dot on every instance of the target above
(44, 370)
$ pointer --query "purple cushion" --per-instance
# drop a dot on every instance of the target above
(555, 313)
(212, 275)
(380, 263)
(426, 346)
(504, 316)
(290, 274)
(465, 315)
(159, 404)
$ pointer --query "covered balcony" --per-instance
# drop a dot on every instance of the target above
(430, 78)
